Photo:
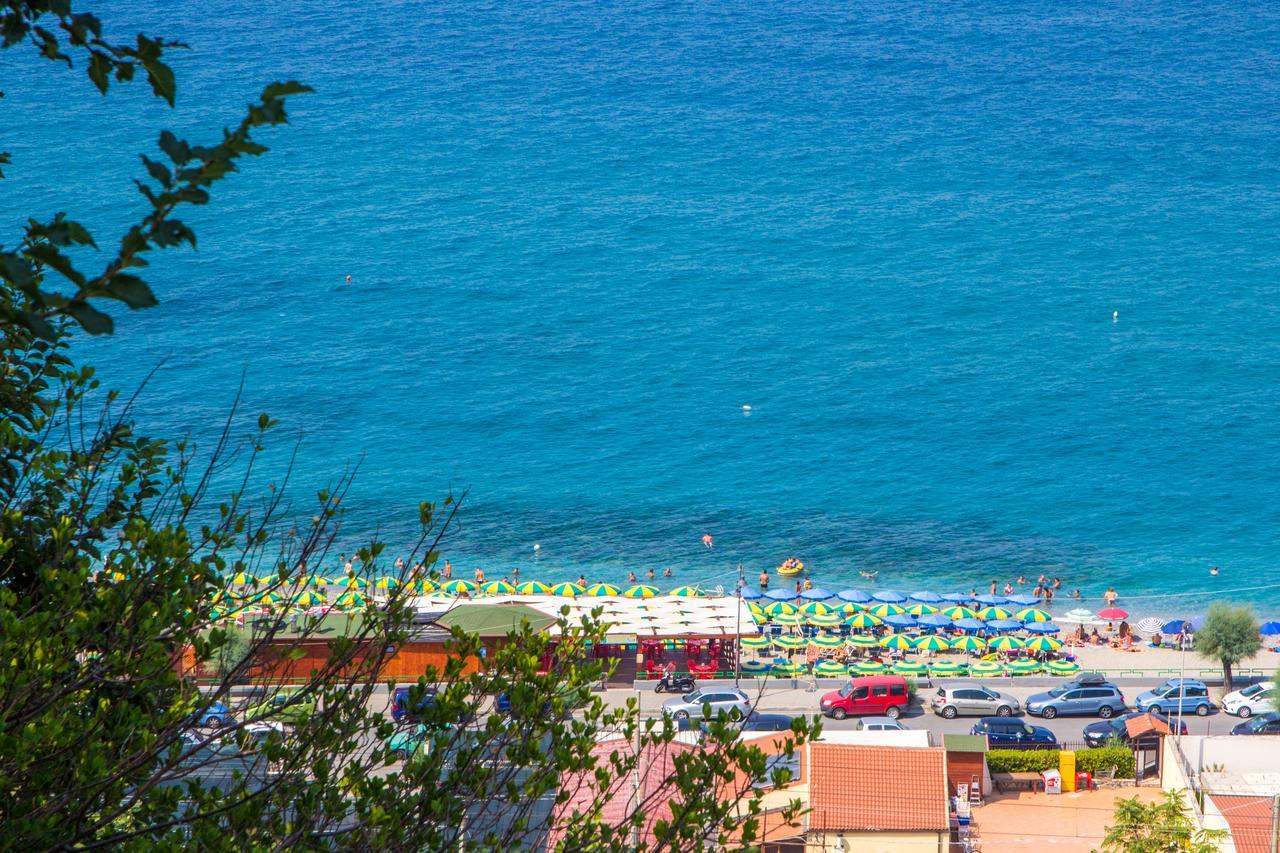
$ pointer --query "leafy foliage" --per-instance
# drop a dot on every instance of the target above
(1229, 635)
(1161, 827)
(1040, 760)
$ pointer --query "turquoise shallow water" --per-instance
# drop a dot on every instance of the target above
(583, 235)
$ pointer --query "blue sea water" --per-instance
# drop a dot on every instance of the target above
(584, 235)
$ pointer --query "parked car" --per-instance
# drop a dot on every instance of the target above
(218, 763)
(880, 724)
(1185, 695)
(400, 710)
(213, 716)
(1008, 733)
(287, 706)
(882, 695)
(1267, 723)
(1255, 699)
(405, 741)
(1104, 700)
(719, 699)
(753, 722)
(968, 698)
(1097, 734)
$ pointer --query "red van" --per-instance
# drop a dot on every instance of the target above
(882, 695)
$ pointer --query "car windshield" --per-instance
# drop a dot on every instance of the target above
(1251, 691)
(695, 696)
(846, 690)
(1060, 689)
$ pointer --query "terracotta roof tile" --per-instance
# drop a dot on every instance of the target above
(1249, 819)
(1139, 726)
(877, 788)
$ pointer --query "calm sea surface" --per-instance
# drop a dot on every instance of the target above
(583, 236)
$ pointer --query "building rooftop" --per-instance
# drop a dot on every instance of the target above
(1146, 724)
(868, 788)
(1249, 819)
(964, 743)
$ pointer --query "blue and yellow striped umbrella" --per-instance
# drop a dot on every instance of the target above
(1031, 614)
(533, 588)
(499, 588)
(597, 590)
(641, 591)
(753, 667)
(568, 590)
(318, 580)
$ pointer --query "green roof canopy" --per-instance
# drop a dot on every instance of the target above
(494, 620)
(964, 743)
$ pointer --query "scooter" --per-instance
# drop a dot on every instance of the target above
(674, 684)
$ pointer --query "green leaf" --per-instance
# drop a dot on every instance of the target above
(131, 290)
(91, 319)
(161, 78)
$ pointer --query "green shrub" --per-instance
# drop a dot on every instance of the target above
(1040, 760)
(1119, 757)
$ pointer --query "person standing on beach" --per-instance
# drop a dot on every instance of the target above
(1110, 596)
(479, 576)
(708, 540)
(764, 580)
(448, 569)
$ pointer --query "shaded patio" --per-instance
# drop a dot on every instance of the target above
(1063, 823)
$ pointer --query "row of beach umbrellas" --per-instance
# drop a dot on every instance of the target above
(903, 642)
(889, 596)
(980, 669)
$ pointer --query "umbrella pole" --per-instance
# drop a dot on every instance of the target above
(737, 618)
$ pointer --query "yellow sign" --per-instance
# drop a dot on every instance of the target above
(1067, 767)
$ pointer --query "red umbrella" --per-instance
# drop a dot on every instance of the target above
(1111, 613)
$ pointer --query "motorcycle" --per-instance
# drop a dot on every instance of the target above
(674, 684)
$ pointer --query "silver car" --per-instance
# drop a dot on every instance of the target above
(879, 724)
(972, 698)
(718, 698)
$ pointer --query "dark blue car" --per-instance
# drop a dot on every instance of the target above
(1012, 733)
(400, 704)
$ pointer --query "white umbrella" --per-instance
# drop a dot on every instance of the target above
(1080, 616)
(1150, 625)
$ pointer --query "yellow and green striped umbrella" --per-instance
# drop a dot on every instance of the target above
(309, 599)
(985, 669)
(862, 641)
(266, 599)
(947, 667)
(686, 591)
(753, 667)
(969, 643)
(921, 609)
(886, 609)
(1062, 667)
(756, 609)
(824, 620)
(243, 579)
(457, 587)
(931, 643)
(568, 590)
(1006, 643)
(867, 667)
(828, 669)
(533, 588)
(851, 607)
(777, 608)
(895, 641)
(351, 599)
(1031, 614)
(318, 580)
(994, 613)
(863, 620)
(959, 611)
(789, 669)
(1044, 644)
(598, 589)
(425, 586)
(1024, 667)
(788, 619)
(350, 582)
(759, 617)
(755, 641)
(641, 591)
(815, 608)
(826, 641)
(791, 642)
(499, 588)
(386, 582)
(910, 667)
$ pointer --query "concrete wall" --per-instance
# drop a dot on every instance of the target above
(878, 842)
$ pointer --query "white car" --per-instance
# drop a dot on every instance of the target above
(718, 698)
(1254, 699)
(879, 724)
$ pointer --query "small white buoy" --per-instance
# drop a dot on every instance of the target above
(746, 408)
(1115, 316)
(537, 547)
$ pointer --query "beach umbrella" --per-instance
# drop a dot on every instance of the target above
(352, 582)
(309, 599)
(853, 596)
(826, 641)
(900, 642)
(1044, 644)
(499, 588)
(686, 592)
(1079, 615)
(386, 582)
(1024, 599)
(991, 600)
(788, 619)
(934, 620)
(815, 608)
(778, 608)
(755, 641)
(969, 643)
(910, 667)
(457, 587)
(957, 597)
(921, 609)
(780, 595)
(533, 588)
(1149, 625)
(1024, 667)
(317, 580)
(1005, 625)
(883, 610)
(969, 624)
(749, 594)
(824, 620)
(753, 667)
(755, 609)
(266, 599)
(1031, 614)
(789, 669)
(926, 597)
(863, 620)
(597, 590)
(791, 642)
(816, 594)
(959, 612)
(829, 669)
(1062, 667)
(867, 667)
(931, 643)
(243, 579)
(900, 620)
(565, 589)
(850, 608)
(861, 641)
(350, 599)
(947, 667)
(1113, 614)
(1175, 626)
(993, 612)
(1267, 629)
(890, 596)
(1042, 627)
(641, 591)
(985, 669)
(424, 585)
(1006, 644)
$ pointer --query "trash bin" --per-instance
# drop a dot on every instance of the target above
(1052, 782)
(1084, 780)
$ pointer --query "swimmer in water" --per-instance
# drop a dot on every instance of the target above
(348, 279)
(1214, 571)
(708, 540)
